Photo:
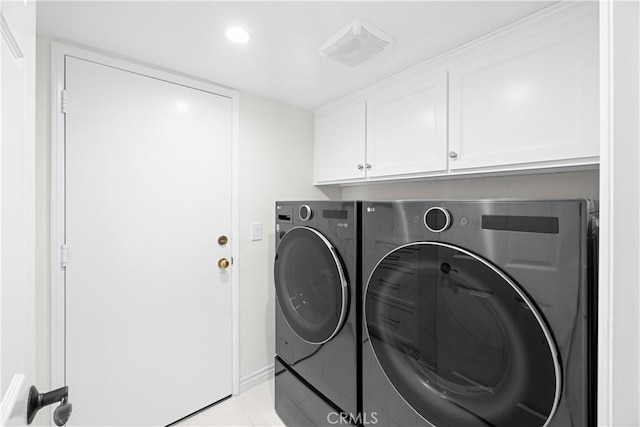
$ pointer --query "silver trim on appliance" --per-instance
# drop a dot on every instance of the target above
(446, 214)
(543, 326)
(309, 213)
(343, 286)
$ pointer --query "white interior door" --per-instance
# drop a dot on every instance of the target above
(148, 193)
(17, 198)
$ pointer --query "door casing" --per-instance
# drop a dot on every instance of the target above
(57, 274)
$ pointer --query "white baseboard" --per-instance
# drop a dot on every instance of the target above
(256, 378)
(13, 394)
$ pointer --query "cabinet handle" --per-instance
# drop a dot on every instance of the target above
(360, 167)
(453, 155)
(368, 166)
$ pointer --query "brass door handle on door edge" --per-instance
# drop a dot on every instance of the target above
(223, 263)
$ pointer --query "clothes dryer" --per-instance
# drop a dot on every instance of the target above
(317, 283)
(479, 313)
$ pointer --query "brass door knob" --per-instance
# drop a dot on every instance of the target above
(223, 263)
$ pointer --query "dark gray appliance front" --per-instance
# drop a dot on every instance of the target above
(316, 283)
(478, 313)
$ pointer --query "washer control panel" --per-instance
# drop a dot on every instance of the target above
(437, 219)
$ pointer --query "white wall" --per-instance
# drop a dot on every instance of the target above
(275, 164)
(275, 158)
(546, 185)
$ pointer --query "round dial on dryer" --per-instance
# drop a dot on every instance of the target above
(437, 219)
(305, 212)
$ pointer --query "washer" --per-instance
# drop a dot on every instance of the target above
(479, 313)
(318, 319)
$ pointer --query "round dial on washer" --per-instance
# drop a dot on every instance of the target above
(437, 219)
(305, 212)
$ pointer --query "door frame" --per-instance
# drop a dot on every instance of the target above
(618, 302)
(57, 215)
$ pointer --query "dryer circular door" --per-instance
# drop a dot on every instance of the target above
(311, 286)
(459, 340)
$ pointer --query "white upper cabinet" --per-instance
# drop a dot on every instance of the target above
(530, 99)
(339, 144)
(523, 98)
(408, 117)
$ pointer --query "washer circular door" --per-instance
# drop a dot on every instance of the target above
(459, 341)
(311, 286)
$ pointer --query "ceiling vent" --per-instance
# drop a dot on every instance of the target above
(355, 43)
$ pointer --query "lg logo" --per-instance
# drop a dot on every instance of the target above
(348, 419)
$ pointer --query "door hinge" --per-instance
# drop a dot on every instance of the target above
(63, 101)
(64, 255)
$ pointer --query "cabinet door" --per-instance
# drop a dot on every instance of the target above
(339, 144)
(534, 99)
(406, 128)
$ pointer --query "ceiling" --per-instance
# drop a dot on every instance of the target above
(281, 62)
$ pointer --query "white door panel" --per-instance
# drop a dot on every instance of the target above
(533, 100)
(17, 199)
(12, 221)
(407, 127)
(339, 144)
(148, 192)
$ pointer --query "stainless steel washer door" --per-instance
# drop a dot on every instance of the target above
(459, 341)
(311, 286)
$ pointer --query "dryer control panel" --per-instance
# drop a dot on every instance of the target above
(284, 213)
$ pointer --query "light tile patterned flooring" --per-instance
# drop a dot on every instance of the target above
(254, 407)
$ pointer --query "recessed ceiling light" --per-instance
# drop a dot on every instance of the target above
(238, 35)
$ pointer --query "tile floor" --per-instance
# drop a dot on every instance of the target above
(254, 407)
